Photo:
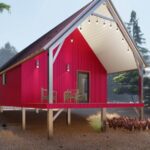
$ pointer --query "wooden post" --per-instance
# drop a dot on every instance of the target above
(141, 96)
(103, 119)
(23, 118)
(50, 123)
(141, 113)
(1, 109)
(69, 116)
(37, 111)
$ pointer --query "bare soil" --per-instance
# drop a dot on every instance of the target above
(78, 136)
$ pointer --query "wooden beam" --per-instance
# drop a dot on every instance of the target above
(103, 17)
(69, 116)
(50, 123)
(57, 114)
(23, 118)
(1, 109)
(141, 113)
(103, 119)
(50, 76)
(37, 111)
(57, 51)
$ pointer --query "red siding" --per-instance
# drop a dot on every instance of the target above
(10, 94)
(80, 57)
(33, 79)
(25, 83)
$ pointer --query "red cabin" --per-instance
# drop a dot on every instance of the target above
(68, 66)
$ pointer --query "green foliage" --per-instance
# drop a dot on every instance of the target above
(135, 29)
(4, 6)
(95, 122)
(128, 82)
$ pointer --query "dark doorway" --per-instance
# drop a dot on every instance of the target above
(83, 86)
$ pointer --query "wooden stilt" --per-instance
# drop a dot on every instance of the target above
(103, 119)
(23, 118)
(1, 109)
(50, 123)
(37, 111)
(69, 116)
(141, 113)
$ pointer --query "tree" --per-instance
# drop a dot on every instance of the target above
(3, 7)
(6, 53)
(128, 81)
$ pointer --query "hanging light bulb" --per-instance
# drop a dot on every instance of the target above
(89, 21)
(110, 25)
(80, 27)
(104, 23)
(97, 20)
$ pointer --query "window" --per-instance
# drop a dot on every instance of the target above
(3, 78)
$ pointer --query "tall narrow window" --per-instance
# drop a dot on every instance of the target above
(3, 78)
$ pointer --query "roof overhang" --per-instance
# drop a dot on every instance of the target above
(108, 38)
(106, 34)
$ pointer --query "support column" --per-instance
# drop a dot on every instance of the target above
(50, 123)
(50, 76)
(1, 109)
(23, 118)
(37, 111)
(103, 119)
(141, 113)
(141, 95)
(69, 116)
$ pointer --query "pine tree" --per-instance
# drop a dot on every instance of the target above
(128, 81)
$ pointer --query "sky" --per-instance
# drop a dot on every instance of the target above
(30, 19)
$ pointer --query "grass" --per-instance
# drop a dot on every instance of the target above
(95, 120)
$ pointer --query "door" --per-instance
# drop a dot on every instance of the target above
(83, 86)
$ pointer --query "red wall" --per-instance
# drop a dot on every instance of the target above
(33, 79)
(10, 94)
(80, 57)
(25, 82)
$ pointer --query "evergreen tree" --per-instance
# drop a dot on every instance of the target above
(6, 53)
(128, 81)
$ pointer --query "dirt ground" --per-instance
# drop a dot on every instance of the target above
(78, 136)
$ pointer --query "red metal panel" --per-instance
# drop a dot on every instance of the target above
(33, 79)
(29, 80)
(77, 53)
(10, 94)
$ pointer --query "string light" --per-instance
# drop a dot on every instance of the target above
(110, 25)
(104, 23)
(97, 20)
(80, 27)
(89, 21)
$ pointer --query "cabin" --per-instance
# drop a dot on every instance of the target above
(68, 66)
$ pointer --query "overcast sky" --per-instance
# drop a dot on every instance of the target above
(30, 19)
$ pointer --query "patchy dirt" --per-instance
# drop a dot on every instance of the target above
(78, 136)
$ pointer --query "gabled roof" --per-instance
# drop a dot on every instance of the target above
(37, 46)
(106, 44)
